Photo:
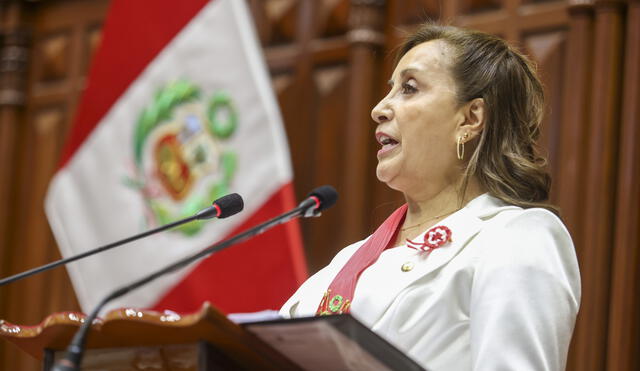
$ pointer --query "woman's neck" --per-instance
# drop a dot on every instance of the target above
(426, 210)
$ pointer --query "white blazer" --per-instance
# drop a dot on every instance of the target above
(502, 295)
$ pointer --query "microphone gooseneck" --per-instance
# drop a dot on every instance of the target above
(221, 208)
(320, 198)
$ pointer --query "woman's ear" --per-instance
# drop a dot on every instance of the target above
(475, 115)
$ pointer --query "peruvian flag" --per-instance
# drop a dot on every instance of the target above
(177, 112)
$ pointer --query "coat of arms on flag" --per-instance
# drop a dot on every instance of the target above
(181, 159)
(178, 111)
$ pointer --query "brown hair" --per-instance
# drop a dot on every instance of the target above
(506, 160)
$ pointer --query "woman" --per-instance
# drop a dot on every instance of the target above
(474, 272)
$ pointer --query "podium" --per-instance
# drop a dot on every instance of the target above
(132, 339)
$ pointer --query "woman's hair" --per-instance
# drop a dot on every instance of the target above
(505, 160)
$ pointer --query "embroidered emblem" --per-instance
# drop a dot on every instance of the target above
(434, 238)
(336, 305)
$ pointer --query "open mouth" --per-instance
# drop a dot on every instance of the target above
(387, 142)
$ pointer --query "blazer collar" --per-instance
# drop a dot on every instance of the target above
(464, 224)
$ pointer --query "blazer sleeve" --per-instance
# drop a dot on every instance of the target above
(525, 295)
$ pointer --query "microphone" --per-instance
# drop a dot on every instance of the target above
(319, 199)
(322, 198)
(221, 208)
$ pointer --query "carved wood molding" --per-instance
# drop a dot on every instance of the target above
(366, 22)
(128, 327)
(580, 6)
(14, 57)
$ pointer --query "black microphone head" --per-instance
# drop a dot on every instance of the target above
(326, 194)
(230, 204)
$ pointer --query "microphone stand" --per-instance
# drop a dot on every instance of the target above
(207, 213)
(309, 207)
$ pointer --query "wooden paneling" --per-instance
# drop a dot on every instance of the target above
(548, 49)
(569, 185)
(54, 53)
(276, 20)
(315, 69)
(600, 188)
(365, 37)
(623, 339)
(331, 90)
(329, 61)
(63, 37)
(13, 66)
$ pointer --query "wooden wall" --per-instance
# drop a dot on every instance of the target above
(330, 61)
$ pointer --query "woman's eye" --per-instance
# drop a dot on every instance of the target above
(407, 88)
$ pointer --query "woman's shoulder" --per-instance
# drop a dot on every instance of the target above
(530, 222)
(529, 236)
(531, 243)
(499, 215)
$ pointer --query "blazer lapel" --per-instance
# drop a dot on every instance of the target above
(379, 286)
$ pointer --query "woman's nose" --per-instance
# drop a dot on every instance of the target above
(381, 112)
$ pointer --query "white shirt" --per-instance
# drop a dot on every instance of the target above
(502, 295)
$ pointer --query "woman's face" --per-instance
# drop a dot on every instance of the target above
(418, 123)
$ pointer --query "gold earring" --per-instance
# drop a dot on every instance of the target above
(460, 146)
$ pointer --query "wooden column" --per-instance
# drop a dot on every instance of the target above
(13, 66)
(599, 200)
(575, 118)
(624, 325)
(366, 23)
(569, 186)
(303, 145)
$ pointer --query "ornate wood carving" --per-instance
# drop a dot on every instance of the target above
(14, 54)
(54, 53)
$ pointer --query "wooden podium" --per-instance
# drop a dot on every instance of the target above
(131, 339)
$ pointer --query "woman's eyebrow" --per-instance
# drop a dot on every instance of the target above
(407, 71)
(403, 73)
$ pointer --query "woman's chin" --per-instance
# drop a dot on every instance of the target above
(386, 175)
(382, 173)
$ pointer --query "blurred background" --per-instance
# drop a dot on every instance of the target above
(329, 61)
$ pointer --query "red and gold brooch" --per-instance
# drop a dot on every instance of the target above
(433, 238)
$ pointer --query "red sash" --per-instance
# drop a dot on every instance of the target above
(337, 299)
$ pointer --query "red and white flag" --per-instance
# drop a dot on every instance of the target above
(178, 111)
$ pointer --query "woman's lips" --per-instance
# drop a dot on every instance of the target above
(387, 148)
(388, 143)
